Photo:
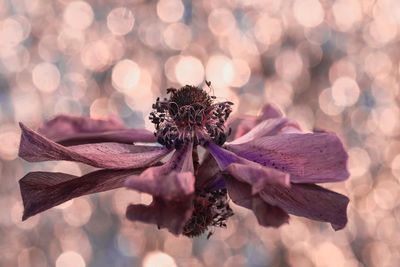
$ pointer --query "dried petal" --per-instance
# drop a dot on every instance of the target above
(246, 171)
(64, 126)
(127, 136)
(266, 214)
(310, 201)
(171, 215)
(41, 191)
(308, 158)
(34, 147)
(172, 180)
(264, 128)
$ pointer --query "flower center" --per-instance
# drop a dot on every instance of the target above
(190, 115)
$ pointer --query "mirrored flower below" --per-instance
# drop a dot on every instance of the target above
(193, 215)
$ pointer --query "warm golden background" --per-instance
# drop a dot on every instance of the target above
(330, 65)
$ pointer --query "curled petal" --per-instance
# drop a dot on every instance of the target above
(310, 201)
(127, 136)
(43, 190)
(172, 180)
(264, 128)
(34, 147)
(64, 126)
(266, 214)
(246, 171)
(308, 158)
(171, 215)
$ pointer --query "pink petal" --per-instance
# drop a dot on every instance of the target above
(172, 180)
(266, 214)
(128, 136)
(171, 215)
(41, 191)
(310, 201)
(241, 125)
(264, 128)
(64, 126)
(34, 147)
(308, 158)
(269, 111)
(246, 171)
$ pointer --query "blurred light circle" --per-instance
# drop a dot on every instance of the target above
(17, 60)
(268, 30)
(170, 10)
(308, 13)
(395, 166)
(99, 109)
(169, 68)
(46, 48)
(11, 32)
(345, 91)
(278, 92)
(327, 105)
(159, 259)
(359, 161)
(189, 70)
(125, 75)
(378, 64)
(79, 213)
(9, 140)
(70, 259)
(220, 71)
(346, 14)
(70, 41)
(78, 15)
(46, 77)
(289, 65)
(241, 71)
(177, 36)
(221, 21)
(96, 56)
(120, 21)
(32, 257)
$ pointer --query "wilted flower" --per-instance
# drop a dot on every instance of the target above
(270, 155)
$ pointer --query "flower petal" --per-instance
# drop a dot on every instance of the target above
(64, 126)
(43, 190)
(246, 171)
(243, 124)
(264, 128)
(172, 180)
(34, 147)
(309, 158)
(266, 214)
(310, 201)
(128, 136)
(171, 215)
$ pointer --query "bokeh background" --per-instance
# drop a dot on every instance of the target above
(330, 65)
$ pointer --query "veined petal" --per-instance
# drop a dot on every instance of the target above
(308, 158)
(64, 126)
(172, 180)
(41, 191)
(246, 171)
(264, 128)
(34, 147)
(171, 215)
(310, 201)
(127, 136)
(266, 214)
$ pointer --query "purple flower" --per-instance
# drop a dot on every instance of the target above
(271, 165)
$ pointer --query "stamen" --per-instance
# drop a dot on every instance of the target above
(190, 115)
(211, 209)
